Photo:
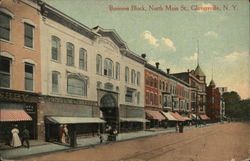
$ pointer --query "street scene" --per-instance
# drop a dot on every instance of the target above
(126, 80)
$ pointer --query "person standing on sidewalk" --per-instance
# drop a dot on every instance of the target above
(15, 141)
(26, 137)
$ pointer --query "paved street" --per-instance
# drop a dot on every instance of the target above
(222, 142)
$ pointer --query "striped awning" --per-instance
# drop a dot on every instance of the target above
(155, 115)
(134, 120)
(177, 116)
(73, 120)
(186, 118)
(204, 117)
(10, 115)
(169, 116)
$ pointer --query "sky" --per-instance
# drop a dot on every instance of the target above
(171, 32)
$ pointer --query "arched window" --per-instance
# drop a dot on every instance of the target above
(138, 78)
(70, 54)
(108, 67)
(5, 26)
(133, 76)
(126, 74)
(76, 86)
(55, 48)
(117, 71)
(83, 59)
(98, 64)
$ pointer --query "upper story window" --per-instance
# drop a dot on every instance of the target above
(98, 64)
(29, 77)
(70, 54)
(138, 78)
(5, 26)
(83, 59)
(108, 67)
(133, 76)
(76, 86)
(28, 35)
(155, 82)
(127, 74)
(160, 84)
(117, 71)
(151, 81)
(5, 72)
(55, 81)
(55, 48)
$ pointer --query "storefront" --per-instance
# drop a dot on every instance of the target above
(21, 109)
(84, 115)
(155, 117)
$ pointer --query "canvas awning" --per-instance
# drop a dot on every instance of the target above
(8, 115)
(177, 116)
(155, 115)
(169, 116)
(204, 117)
(73, 120)
(186, 118)
(134, 120)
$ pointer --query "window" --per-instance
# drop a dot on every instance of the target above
(129, 95)
(28, 35)
(55, 82)
(160, 84)
(5, 72)
(108, 67)
(77, 86)
(117, 71)
(5, 26)
(55, 48)
(29, 80)
(151, 98)
(155, 99)
(98, 64)
(83, 59)
(138, 98)
(133, 76)
(70, 54)
(155, 82)
(147, 98)
(138, 78)
(127, 74)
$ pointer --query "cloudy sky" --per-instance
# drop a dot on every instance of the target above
(169, 34)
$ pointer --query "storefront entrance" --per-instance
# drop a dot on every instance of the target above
(109, 109)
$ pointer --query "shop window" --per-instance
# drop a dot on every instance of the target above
(70, 54)
(108, 67)
(98, 64)
(55, 48)
(83, 59)
(117, 71)
(5, 72)
(55, 82)
(127, 74)
(5, 26)
(28, 35)
(76, 86)
(29, 77)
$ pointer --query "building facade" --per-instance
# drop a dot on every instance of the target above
(20, 69)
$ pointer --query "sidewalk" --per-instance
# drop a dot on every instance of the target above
(47, 147)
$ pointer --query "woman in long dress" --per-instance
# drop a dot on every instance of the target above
(15, 142)
(65, 134)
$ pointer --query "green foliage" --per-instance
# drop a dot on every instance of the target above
(235, 107)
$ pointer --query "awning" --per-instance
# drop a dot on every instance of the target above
(7, 115)
(155, 115)
(195, 117)
(186, 118)
(204, 117)
(73, 120)
(177, 116)
(134, 120)
(169, 116)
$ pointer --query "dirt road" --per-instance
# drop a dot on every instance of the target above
(222, 142)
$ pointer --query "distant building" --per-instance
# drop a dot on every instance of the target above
(213, 102)
(222, 102)
(222, 90)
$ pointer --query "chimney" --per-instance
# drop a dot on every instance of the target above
(143, 55)
(168, 70)
(157, 65)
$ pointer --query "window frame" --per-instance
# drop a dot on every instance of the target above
(28, 36)
(98, 60)
(127, 74)
(117, 71)
(58, 82)
(7, 73)
(83, 52)
(68, 55)
(27, 78)
(83, 82)
(58, 42)
(9, 17)
(108, 68)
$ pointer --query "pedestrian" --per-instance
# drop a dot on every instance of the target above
(15, 141)
(26, 137)
(65, 134)
(100, 137)
(177, 128)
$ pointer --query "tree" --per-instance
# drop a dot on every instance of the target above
(232, 100)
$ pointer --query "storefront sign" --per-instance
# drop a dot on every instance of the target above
(17, 97)
(70, 101)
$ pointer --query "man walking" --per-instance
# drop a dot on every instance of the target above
(26, 137)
